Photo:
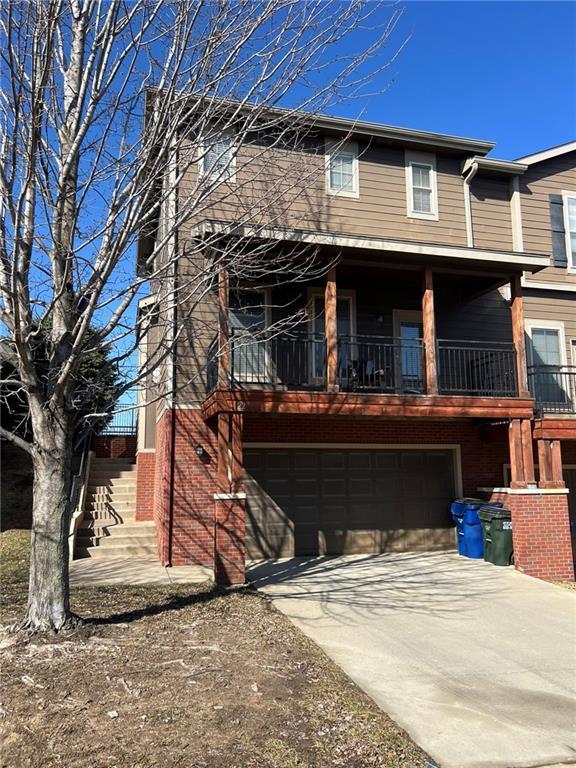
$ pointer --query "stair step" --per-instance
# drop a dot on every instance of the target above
(105, 521)
(137, 550)
(111, 478)
(117, 541)
(103, 496)
(128, 527)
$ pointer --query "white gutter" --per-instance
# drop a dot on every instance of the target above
(469, 171)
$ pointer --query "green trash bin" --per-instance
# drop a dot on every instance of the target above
(497, 535)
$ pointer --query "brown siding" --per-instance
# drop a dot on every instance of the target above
(553, 306)
(491, 215)
(550, 177)
(287, 189)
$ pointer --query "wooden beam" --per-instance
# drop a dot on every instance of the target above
(429, 332)
(331, 330)
(557, 473)
(237, 462)
(527, 452)
(223, 328)
(555, 429)
(516, 455)
(355, 404)
(544, 464)
(518, 335)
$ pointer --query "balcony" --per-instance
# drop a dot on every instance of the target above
(553, 388)
(369, 365)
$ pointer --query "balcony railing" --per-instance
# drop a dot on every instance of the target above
(381, 364)
(477, 368)
(553, 387)
(369, 364)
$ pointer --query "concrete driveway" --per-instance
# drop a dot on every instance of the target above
(476, 662)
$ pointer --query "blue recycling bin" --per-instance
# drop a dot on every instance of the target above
(468, 526)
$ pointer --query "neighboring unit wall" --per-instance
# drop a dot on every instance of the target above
(553, 308)
(550, 177)
(491, 213)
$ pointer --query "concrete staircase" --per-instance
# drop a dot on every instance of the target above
(108, 528)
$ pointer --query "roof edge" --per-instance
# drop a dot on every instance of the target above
(548, 154)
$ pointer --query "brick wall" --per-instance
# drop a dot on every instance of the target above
(541, 534)
(114, 446)
(145, 481)
(484, 450)
(194, 485)
(229, 545)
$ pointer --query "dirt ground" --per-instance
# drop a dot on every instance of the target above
(183, 677)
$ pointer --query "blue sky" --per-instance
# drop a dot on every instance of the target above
(503, 71)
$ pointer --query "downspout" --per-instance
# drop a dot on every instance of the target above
(470, 170)
(172, 213)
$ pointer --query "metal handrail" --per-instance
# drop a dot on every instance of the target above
(553, 387)
(470, 367)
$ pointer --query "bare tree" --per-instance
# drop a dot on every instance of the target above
(107, 111)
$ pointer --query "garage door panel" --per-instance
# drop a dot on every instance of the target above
(336, 501)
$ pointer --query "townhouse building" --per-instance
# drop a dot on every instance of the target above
(340, 411)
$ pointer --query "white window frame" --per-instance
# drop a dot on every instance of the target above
(546, 325)
(570, 257)
(229, 176)
(313, 294)
(400, 316)
(333, 146)
(421, 158)
(266, 294)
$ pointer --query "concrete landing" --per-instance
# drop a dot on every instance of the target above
(134, 571)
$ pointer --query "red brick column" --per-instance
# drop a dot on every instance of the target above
(145, 481)
(541, 534)
(114, 446)
(229, 540)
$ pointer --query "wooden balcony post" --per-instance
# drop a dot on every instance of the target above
(429, 332)
(527, 452)
(557, 473)
(516, 455)
(331, 331)
(223, 329)
(519, 336)
(545, 463)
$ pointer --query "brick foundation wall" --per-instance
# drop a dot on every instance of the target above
(541, 535)
(483, 450)
(145, 482)
(193, 493)
(229, 545)
(114, 446)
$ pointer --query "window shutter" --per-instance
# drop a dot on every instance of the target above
(559, 258)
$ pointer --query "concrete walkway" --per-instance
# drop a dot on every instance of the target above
(476, 662)
(133, 571)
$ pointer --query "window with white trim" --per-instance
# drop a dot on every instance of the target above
(569, 208)
(217, 157)
(342, 169)
(421, 192)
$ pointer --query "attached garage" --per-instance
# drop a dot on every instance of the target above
(332, 501)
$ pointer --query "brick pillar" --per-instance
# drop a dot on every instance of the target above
(229, 539)
(541, 534)
(145, 481)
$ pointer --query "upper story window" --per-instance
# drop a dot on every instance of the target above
(217, 158)
(421, 191)
(342, 168)
(569, 208)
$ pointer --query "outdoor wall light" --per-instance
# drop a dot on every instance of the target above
(199, 451)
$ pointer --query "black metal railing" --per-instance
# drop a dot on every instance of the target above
(287, 361)
(368, 364)
(121, 423)
(482, 369)
(553, 387)
(381, 364)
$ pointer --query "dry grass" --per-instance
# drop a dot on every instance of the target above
(180, 678)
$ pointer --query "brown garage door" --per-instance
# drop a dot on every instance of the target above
(334, 501)
(570, 480)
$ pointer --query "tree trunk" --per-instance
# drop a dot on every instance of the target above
(49, 595)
